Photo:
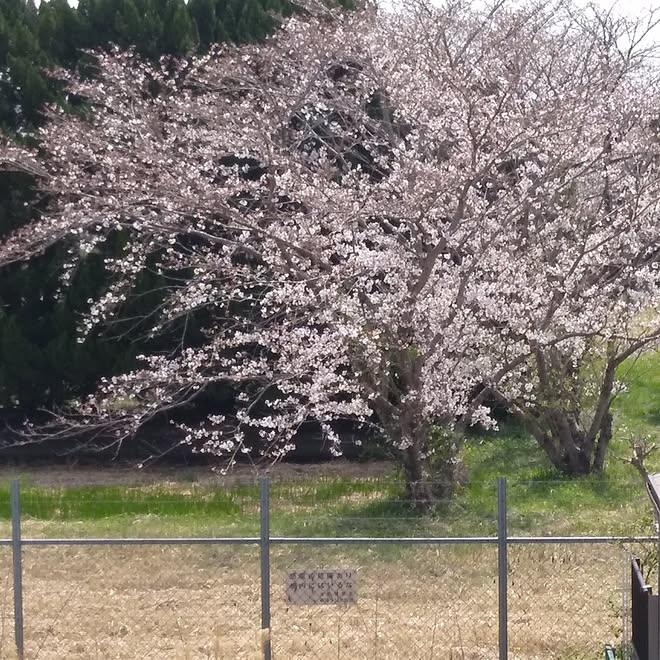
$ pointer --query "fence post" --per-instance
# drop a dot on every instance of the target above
(502, 566)
(265, 564)
(15, 500)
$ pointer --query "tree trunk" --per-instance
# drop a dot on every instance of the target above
(418, 485)
(573, 446)
(604, 437)
(570, 448)
(427, 454)
(427, 483)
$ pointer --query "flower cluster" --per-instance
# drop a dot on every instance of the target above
(380, 213)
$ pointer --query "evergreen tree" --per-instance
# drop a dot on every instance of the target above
(224, 10)
(180, 34)
(150, 32)
(23, 86)
(253, 23)
(129, 23)
(41, 362)
(60, 32)
(100, 18)
(203, 13)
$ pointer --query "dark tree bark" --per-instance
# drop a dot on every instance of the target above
(429, 478)
(419, 488)
(429, 462)
(570, 448)
(557, 420)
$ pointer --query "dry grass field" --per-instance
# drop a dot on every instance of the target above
(423, 602)
(184, 602)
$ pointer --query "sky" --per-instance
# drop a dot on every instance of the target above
(635, 9)
(631, 7)
(625, 7)
(628, 8)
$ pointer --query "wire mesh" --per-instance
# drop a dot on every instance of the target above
(410, 602)
(380, 508)
(565, 600)
(141, 602)
(165, 509)
(7, 646)
(578, 507)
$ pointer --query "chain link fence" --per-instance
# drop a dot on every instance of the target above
(410, 602)
(379, 582)
(565, 600)
(142, 601)
(7, 642)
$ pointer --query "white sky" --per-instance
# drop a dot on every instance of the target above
(634, 9)
(625, 7)
(631, 7)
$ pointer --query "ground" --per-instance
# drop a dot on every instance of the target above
(46, 476)
(566, 601)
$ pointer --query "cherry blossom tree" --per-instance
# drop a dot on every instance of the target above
(582, 272)
(383, 217)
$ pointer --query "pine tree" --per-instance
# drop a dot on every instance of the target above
(254, 23)
(4, 40)
(180, 34)
(203, 13)
(151, 27)
(128, 23)
(23, 86)
(60, 31)
(225, 11)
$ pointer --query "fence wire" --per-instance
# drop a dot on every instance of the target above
(565, 601)
(436, 599)
(141, 602)
(7, 645)
(411, 602)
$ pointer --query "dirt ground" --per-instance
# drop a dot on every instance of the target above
(176, 602)
(130, 475)
(202, 602)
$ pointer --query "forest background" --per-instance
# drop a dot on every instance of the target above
(42, 363)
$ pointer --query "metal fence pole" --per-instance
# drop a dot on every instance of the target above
(15, 499)
(502, 566)
(264, 545)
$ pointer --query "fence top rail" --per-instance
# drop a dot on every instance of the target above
(637, 572)
(313, 540)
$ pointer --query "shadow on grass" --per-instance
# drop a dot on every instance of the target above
(388, 515)
(507, 452)
(393, 515)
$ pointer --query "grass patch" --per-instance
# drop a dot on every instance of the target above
(638, 409)
(98, 502)
(333, 508)
(541, 500)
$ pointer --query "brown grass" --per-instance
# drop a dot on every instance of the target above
(54, 476)
(416, 602)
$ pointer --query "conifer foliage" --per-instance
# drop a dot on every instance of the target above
(41, 361)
